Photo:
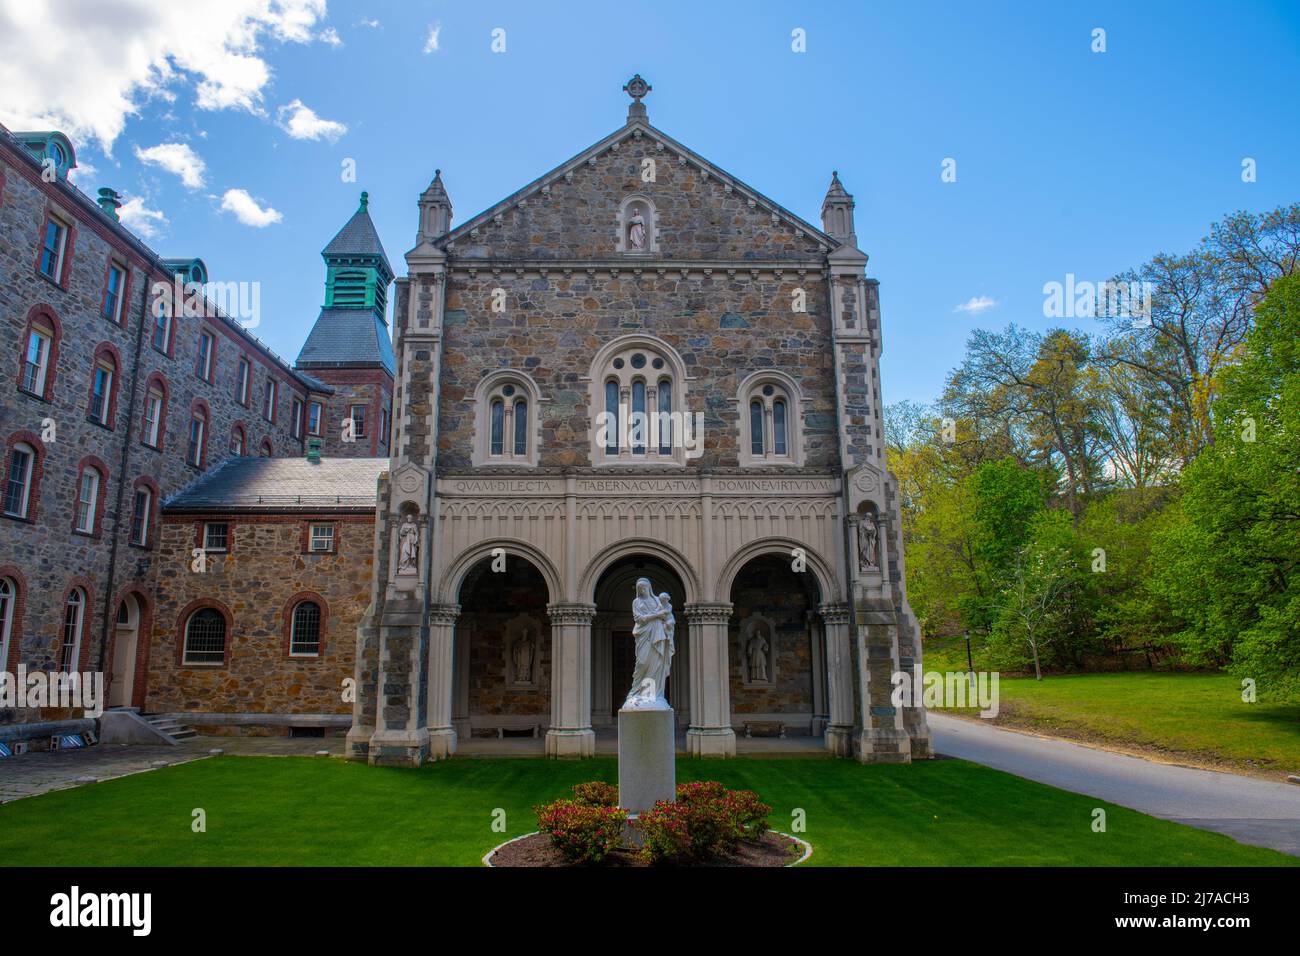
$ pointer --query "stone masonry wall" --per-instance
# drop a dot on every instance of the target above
(44, 553)
(255, 582)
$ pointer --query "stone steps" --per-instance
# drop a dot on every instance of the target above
(173, 728)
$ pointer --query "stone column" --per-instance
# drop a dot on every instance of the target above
(602, 704)
(710, 733)
(839, 678)
(442, 676)
(817, 653)
(570, 733)
(460, 655)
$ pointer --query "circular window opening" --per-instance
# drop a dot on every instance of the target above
(618, 363)
(638, 360)
(658, 363)
(508, 391)
(768, 390)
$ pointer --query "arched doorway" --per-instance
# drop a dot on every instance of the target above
(501, 652)
(776, 650)
(613, 651)
(126, 644)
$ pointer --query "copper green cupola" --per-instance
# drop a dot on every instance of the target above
(357, 271)
(352, 329)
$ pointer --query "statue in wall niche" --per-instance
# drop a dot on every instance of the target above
(408, 547)
(636, 231)
(653, 628)
(868, 541)
(758, 657)
(522, 656)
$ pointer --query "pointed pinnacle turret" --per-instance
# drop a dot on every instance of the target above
(837, 212)
(435, 211)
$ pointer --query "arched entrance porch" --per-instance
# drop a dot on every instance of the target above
(613, 650)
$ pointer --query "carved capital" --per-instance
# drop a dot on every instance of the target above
(835, 613)
(443, 614)
(708, 613)
(571, 613)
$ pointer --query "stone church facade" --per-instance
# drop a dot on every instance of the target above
(636, 365)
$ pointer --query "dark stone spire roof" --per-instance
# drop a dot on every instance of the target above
(348, 338)
(358, 237)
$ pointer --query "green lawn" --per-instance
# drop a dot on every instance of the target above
(1197, 718)
(312, 811)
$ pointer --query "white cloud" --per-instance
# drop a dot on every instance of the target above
(368, 22)
(176, 158)
(58, 69)
(431, 44)
(247, 210)
(139, 218)
(976, 304)
(331, 36)
(301, 122)
(84, 172)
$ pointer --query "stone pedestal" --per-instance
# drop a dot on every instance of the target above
(646, 768)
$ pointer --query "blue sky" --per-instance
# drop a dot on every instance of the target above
(1068, 161)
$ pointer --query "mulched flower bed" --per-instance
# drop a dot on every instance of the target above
(774, 849)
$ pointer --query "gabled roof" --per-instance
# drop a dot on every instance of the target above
(634, 128)
(358, 237)
(348, 338)
(280, 484)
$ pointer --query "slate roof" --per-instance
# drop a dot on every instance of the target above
(348, 338)
(358, 238)
(282, 484)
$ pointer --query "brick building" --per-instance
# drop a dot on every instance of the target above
(115, 393)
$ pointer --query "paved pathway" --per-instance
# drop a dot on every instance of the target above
(1249, 810)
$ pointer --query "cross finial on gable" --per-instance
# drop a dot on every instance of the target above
(636, 88)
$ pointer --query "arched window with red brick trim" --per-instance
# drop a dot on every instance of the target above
(305, 617)
(144, 511)
(13, 590)
(92, 485)
(196, 452)
(76, 611)
(153, 425)
(102, 407)
(24, 460)
(238, 441)
(40, 353)
(204, 638)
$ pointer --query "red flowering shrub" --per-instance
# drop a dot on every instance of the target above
(706, 823)
(584, 834)
(595, 794)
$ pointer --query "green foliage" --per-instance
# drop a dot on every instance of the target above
(595, 793)
(1043, 614)
(1232, 563)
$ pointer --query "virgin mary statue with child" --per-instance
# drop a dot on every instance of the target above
(653, 627)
